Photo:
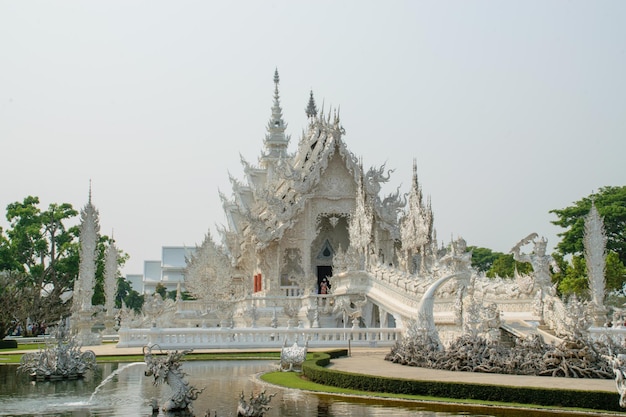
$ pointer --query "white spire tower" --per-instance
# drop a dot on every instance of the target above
(83, 310)
(89, 229)
(110, 277)
(594, 240)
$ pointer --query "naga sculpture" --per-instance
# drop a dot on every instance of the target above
(425, 322)
(618, 363)
(167, 369)
(257, 406)
(374, 177)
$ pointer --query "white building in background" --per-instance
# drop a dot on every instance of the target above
(169, 270)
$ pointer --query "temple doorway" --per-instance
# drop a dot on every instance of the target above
(324, 272)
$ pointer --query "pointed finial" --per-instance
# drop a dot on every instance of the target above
(336, 117)
(89, 191)
(311, 109)
(275, 140)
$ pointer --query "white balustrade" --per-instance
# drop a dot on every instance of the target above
(239, 338)
(292, 291)
(617, 334)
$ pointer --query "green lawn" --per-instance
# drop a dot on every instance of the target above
(296, 380)
(199, 357)
(10, 355)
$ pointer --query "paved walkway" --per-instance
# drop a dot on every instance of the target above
(372, 362)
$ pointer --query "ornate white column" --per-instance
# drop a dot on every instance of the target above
(83, 311)
(594, 240)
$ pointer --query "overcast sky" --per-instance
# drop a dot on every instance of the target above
(510, 109)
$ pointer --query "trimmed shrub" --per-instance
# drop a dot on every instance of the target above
(314, 369)
(8, 344)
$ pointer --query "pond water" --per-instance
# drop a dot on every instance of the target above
(127, 393)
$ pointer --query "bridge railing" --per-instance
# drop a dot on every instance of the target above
(238, 338)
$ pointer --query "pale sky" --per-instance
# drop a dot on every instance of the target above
(510, 108)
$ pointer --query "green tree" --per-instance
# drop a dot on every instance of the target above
(99, 296)
(41, 253)
(7, 260)
(611, 204)
(483, 258)
(126, 293)
(161, 290)
(615, 273)
(574, 279)
(505, 266)
(9, 296)
(184, 295)
(45, 251)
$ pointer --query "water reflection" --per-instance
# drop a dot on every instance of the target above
(129, 393)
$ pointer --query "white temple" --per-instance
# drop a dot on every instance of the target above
(296, 212)
(313, 251)
(300, 218)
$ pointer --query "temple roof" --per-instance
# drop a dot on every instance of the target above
(276, 192)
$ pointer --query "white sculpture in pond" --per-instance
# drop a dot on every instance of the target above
(292, 357)
(167, 369)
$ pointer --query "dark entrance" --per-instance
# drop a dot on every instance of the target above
(323, 271)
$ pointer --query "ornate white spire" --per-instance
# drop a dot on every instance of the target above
(89, 229)
(594, 241)
(110, 277)
(361, 221)
(207, 276)
(276, 141)
(416, 230)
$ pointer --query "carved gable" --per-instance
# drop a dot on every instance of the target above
(336, 182)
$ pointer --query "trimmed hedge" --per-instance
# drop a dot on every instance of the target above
(8, 344)
(314, 369)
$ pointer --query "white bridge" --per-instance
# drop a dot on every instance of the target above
(400, 295)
